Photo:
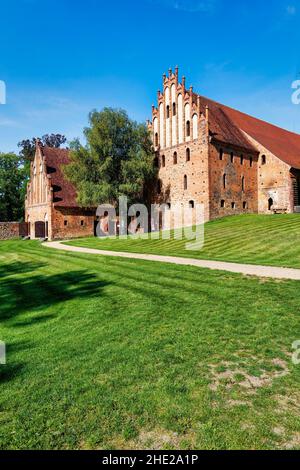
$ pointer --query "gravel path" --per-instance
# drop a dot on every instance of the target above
(247, 269)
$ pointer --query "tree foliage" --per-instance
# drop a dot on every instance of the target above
(117, 160)
(12, 184)
(27, 146)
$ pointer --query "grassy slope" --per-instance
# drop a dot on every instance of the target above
(106, 353)
(254, 239)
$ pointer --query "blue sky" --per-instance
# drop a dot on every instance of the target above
(62, 58)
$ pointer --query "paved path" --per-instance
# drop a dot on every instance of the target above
(248, 269)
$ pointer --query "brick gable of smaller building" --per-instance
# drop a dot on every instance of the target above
(64, 192)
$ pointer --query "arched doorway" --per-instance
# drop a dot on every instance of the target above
(270, 204)
(39, 229)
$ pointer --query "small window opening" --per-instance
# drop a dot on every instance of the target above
(159, 186)
(175, 158)
(188, 129)
(222, 203)
(185, 182)
(188, 155)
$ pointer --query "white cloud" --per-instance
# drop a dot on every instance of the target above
(191, 6)
(8, 123)
(291, 10)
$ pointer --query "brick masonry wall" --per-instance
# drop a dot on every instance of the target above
(195, 170)
(9, 230)
(245, 201)
(176, 108)
(274, 181)
(178, 123)
(67, 223)
(62, 222)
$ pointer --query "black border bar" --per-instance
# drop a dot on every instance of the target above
(136, 459)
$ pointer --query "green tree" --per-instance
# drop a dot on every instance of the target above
(12, 182)
(27, 146)
(117, 160)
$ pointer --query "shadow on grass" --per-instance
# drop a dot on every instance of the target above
(9, 371)
(33, 321)
(33, 291)
(18, 267)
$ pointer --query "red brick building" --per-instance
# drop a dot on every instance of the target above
(51, 209)
(207, 153)
(211, 154)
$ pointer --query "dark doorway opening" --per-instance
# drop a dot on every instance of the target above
(296, 189)
(40, 230)
(24, 229)
(96, 222)
(270, 204)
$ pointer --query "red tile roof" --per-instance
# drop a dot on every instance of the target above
(222, 128)
(64, 193)
(227, 123)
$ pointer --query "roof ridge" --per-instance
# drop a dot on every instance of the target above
(248, 115)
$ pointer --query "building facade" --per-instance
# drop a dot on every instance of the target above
(51, 209)
(210, 154)
(206, 153)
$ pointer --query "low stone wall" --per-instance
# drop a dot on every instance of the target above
(9, 230)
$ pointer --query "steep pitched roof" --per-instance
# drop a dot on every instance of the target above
(227, 123)
(65, 194)
(222, 127)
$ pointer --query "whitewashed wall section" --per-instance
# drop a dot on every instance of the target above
(195, 126)
(180, 119)
(167, 100)
(174, 126)
(161, 125)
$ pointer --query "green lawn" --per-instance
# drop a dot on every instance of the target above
(255, 239)
(116, 353)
